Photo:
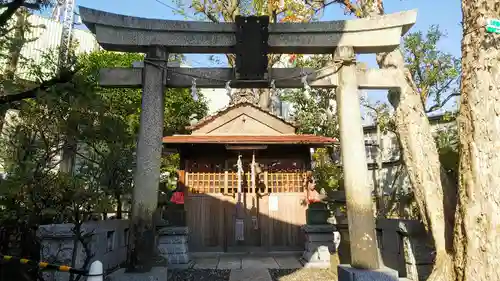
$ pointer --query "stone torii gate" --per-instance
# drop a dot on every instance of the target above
(343, 39)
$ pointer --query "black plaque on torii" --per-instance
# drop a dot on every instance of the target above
(251, 48)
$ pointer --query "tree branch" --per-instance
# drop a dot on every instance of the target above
(445, 86)
(12, 8)
(86, 158)
(348, 5)
(440, 105)
(63, 78)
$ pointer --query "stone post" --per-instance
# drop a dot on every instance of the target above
(364, 252)
(141, 251)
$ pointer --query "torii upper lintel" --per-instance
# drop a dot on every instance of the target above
(116, 32)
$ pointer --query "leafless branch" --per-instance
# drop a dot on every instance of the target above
(348, 5)
(441, 104)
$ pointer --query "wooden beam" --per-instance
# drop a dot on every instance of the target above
(178, 77)
(245, 147)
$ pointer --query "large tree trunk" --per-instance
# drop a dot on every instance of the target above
(421, 158)
(420, 155)
(477, 239)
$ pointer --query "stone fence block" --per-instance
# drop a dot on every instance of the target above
(173, 244)
(404, 227)
(404, 245)
(107, 242)
(423, 250)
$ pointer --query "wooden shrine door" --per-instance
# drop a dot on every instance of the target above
(269, 219)
(243, 216)
(272, 212)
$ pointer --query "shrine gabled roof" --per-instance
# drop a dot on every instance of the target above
(248, 139)
(230, 107)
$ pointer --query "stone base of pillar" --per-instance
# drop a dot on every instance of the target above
(173, 246)
(348, 273)
(319, 245)
(155, 274)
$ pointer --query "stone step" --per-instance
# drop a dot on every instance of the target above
(250, 275)
(319, 265)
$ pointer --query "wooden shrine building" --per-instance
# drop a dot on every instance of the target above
(242, 172)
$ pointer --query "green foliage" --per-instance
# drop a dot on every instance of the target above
(327, 173)
(314, 112)
(106, 122)
(435, 73)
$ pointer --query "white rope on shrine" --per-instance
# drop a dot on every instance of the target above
(303, 75)
(229, 91)
(273, 88)
(274, 96)
(253, 170)
(239, 165)
(194, 91)
(307, 88)
(239, 223)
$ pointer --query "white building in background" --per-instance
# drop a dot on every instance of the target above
(216, 99)
(48, 37)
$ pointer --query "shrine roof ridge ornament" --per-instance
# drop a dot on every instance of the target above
(116, 32)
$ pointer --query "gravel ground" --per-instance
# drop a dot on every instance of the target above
(198, 274)
(303, 274)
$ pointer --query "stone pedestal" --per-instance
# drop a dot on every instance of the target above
(317, 214)
(348, 273)
(173, 246)
(319, 245)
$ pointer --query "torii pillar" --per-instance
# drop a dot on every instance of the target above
(365, 260)
(364, 252)
(142, 247)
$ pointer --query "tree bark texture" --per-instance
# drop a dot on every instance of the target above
(435, 198)
(421, 159)
(477, 233)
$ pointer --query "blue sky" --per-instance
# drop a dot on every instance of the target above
(446, 14)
